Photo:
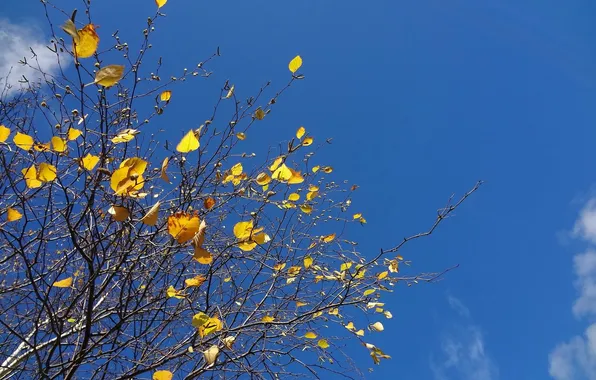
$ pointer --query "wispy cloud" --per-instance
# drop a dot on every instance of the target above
(463, 355)
(576, 359)
(18, 41)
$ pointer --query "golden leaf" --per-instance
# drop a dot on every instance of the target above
(197, 280)
(294, 197)
(109, 75)
(58, 144)
(164, 167)
(165, 96)
(23, 141)
(279, 266)
(267, 319)
(307, 262)
(259, 114)
(315, 168)
(377, 326)
(4, 133)
(282, 173)
(327, 169)
(47, 172)
(312, 195)
(172, 292)
(13, 215)
(295, 64)
(241, 135)
(328, 238)
(189, 143)
(30, 176)
(276, 163)
(263, 179)
(229, 341)
(310, 335)
(119, 213)
(183, 226)
(162, 375)
(368, 292)
(300, 132)
(323, 344)
(296, 177)
(86, 43)
(73, 134)
(150, 217)
(125, 136)
(160, 3)
(307, 141)
(66, 283)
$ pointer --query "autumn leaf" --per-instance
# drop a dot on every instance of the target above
(13, 215)
(160, 3)
(201, 254)
(377, 326)
(382, 275)
(210, 355)
(294, 197)
(73, 134)
(327, 169)
(109, 75)
(307, 141)
(189, 143)
(58, 144)
(259, 114)
(263, 179)
(315, 168)
(128, 178)
(23, 141)
(89, 161)
(230, 92)
(328, 238)
(183, 226)
(295, 64)
(119, 213)
(300, 132)
(307, 262)
(282, 173)
(241, 136)
(171, 292)
(197, 280)
(30, 176)
(278, 161)
(150, 217)
(4, 133)
(65, 283)
(125, 136)
(267, 319)
(208, 203)
(162, 375)
(323, 344)
(248, 236)
(310, 335)
(86, 43)
(165, 96)
(70, 28)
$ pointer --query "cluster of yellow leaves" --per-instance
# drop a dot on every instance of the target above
(248, 236)
(35, 177)
(359, 217)
(128, 178)
(205, 324)
(283, 173)
(350, 326)
(234, 175)
(307, 140)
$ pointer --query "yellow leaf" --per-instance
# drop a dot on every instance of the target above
(229, 341)
(183, 226)
(73, 134)
(210, 355)
(47, 172)
(360, 332)
(70, 29)
(294, 271)
(300, 303)
(307, 262)
(41, 147)
(30, 175)
(279, 266)
(195, 281)
(263, 179)
(203, 256)
(307, 141)
(350, 326)
(199, 319)
(230, 92)
(86, 43)
(267, 319)
(13, 214)
(165, 96)
(296, 178)
(327, 169)
(23, 141)
(189, 143)
(260, 114)
(334, 311)
(162, 375)
(160, 3)
(328, 238)
(388, 314)
(236, 170)
(310, 335)
(164, 167)
(128, 178)
(323, 344)
(282, 173)
(311, 195)
(119, 213)
(172, 292)
(316, 169)
(368, 292)
(276, 163)
(66, 283)
(307, 209)
(382, 275)
(247, 245)
(357, 216)
(241, 135)
(89, 161)
(58, 144)
(212, 325)
(4, 133)
(109, 75)
(295, 64)
(150, 217)
(300, 132)
(377, 326)
(345, 266)
(294, 197)
(125, 136)
(242, 230)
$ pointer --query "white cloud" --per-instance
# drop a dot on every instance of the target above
(17, 41)
(463, 355)
(576, 359)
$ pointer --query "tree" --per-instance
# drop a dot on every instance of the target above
(126, 254)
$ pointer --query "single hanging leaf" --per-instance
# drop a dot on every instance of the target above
(295, 64)
(164, 167)
(307, 262)
(165, 96)
(294, 197)
(382, 275)
(278, 161)
(160, 3)
(267, 319)
(307, 209)
(263, 179)
(58, 144)
(162, 375)
(125, 136)
(66, 283)
(323, 344)
(47, 172)
(201, 254)
(171, 292)
(328, 238)
(229, 341)
(307, 141)
(109, 75)
(230, 92)
(13, 215)
(89, 161)
(183, 226)
(310, 335)
(150, 217)
(4, 133)
(189, 143)
(259, 114)
(300, 132)
(23, 141)
(30, 176)
(195, 281)
(119, 213)
(87, 43)
(241, 136)
(377, 326)
(282, 173)
(73, 134)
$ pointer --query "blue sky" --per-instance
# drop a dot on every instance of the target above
(423, 98)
